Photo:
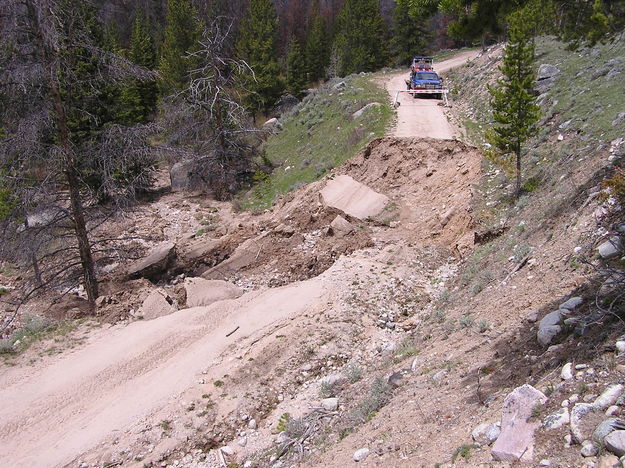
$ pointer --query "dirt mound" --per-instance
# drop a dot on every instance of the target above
(427, 181)
(430, 182)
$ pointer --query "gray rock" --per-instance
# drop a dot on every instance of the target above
(578, 413)
(332, 379)
(155, 265)
(609, 461)
(611, 248)
(557, 420)
(589, 449)
(202, 292)
(605, 428)
(340, 85)
(609, 396)
(252, 424)
(361, 454)
(547, 71)
(516, 441)
(157, 304)
(619, 119)
(571, 304)
(549, 327)
(546, 335)
(567, 373)
(365, 109)
(546, 78)
(615, 443)
(486, 434)
(330, 404)
(182, 175)
(273, 124)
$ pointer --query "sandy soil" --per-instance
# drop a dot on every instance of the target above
(424, 116)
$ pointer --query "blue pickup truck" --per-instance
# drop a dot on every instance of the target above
(425, 80)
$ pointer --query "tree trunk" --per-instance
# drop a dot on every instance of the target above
(80, 227)
(76, 207)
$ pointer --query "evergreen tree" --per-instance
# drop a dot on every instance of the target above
(138, 99)
(410, 37)
(513, 101)
(360, 39)
(257, 46)
(295, 70)
(316, 48)
(182, 33)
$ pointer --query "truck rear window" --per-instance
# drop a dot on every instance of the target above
(426, 76)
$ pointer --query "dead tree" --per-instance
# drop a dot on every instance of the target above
(206, 121)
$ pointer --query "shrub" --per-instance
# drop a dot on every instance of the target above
(616, 185)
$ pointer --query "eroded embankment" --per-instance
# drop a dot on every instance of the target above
(156, 390)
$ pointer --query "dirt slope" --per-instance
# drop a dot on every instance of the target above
(423, 117)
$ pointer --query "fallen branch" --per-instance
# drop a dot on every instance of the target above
(520, 265)
(232, 332)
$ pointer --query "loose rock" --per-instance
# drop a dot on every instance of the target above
(615, 443)
(516, 441)
(609, 396)
(557, 419)
(330, 404)
(361, 454)
(589, 449)
(486, 434)
(567, 373)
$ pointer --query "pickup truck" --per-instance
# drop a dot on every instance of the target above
(425, 80)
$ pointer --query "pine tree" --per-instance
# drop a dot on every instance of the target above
(316, 49)
(257, 46)
(513, 101)
(360, 39)
(410, 36)
(182, 33)
(295, 70)
(138, 99)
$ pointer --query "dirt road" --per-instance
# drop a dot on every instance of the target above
(423, 117)
(53, 411)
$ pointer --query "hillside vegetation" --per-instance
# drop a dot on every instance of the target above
(328, 127)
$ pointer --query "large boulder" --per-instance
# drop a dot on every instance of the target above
(516, 441)
(243, 256)
(202, 292)
(155, 265)
(353, 198)
(157, 304)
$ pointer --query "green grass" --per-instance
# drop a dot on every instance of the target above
(36, 328)
(319, 135)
